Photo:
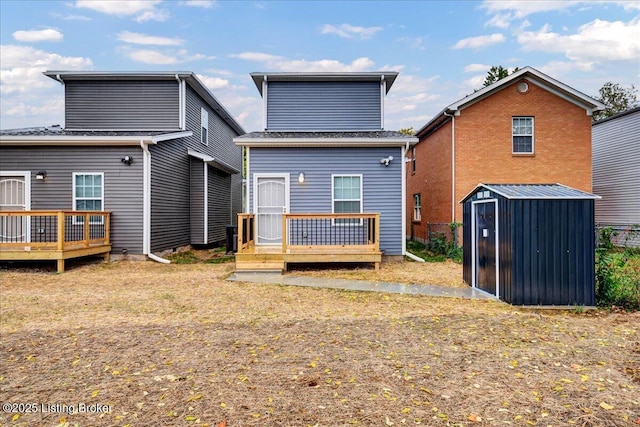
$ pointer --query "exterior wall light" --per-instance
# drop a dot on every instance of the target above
(127, 160)
(386, 160)
(41, 175)
(301, 177)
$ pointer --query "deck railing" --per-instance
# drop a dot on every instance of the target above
(318, 231)
(53, 230)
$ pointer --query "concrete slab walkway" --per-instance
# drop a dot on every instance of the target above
(360, 285)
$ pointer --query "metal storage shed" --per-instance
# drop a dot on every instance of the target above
(530, 244)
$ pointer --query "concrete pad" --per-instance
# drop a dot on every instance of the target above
(360, 285)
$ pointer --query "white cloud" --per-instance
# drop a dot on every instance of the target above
(47, 35)
(281, 63)
(520, 9)
(348, 31)
(475, 82)
(595, 41)
(479, 41)
(413, 42)
(51, 106)
(500, 20)
(137, 38)
(473, 68)
(213, 83)
(156, 57)
(206, 4)
(141, 10)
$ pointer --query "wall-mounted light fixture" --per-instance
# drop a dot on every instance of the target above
(41, 175)
(127, 160)
(386, 160)
(301, 177)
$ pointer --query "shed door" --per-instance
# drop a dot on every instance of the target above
(14, 197)
(271, 202)
(485, 246)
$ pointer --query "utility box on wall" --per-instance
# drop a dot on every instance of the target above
(530, 244)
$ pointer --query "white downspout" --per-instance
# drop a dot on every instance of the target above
(404, 199)
(453, 165)
(206, 204)
(146, 204)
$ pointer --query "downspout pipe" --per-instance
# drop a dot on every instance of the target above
(453, 165)
(146, 204)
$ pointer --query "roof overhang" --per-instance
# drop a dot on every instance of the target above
(216, 163)
(324, 142)
(388, 76)
(568, 193)
(87, 140)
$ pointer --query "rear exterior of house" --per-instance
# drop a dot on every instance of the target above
(616, 174)
(153, 149)
(527, 128)
(324, 176)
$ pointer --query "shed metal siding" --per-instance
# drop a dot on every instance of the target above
(122, 183)
(170, 201)
(382, 186)
(121, 105)
(326, 106)
(616, 174)
(546, 250)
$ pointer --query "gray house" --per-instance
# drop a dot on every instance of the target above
(325, 180)
(154, 149)
(616, 174)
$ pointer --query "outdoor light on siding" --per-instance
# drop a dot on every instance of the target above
(127, 160)
(41, 175)
(386, 160)
(301, 177)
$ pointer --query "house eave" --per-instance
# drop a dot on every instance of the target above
(84, 140)
(216, 163)
(324, 142)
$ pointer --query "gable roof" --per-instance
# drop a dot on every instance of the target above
(531, 75)
(190, 77)
(534, 191)
(388, 76)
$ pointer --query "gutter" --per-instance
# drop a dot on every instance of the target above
(146, 203)
(413, 257)
(453, 165)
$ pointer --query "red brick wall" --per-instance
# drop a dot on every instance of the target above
(562, 150)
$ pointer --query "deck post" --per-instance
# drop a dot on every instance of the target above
(60, 242)
(107, 228)
(60, 266)
(284, 233)
(240, 231)
(86, 229)
(377, 231)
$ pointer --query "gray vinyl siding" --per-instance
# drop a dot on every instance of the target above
(196, 194)
(616, 174)
(219, 203)
(122, 184)
(382, 186)
(326, 106)
(170, 198)
(121, 105)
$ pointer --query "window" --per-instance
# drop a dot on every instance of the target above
(88, 195)
(522, 135)
(347, 196)
(204, 122)
(413, 160)
(417, 207)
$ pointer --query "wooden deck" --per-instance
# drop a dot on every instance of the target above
(54, 235)
(311, 238)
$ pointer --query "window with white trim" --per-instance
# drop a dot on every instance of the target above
(417, 207)
(88, 195)
(347, 197)
(204, 125)
(413, 160)
(522, 135)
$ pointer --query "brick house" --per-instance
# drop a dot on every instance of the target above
(527, 128)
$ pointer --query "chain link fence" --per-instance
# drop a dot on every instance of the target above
(622, 235)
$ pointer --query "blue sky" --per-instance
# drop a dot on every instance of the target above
(442, 50)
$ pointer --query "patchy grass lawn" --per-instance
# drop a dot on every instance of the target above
(179, 345)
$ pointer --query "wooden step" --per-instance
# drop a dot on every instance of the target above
(255, 265)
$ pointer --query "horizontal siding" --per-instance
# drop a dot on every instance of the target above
(122, 184)
(616, 174)
(219, 205)
(328, 106)
(382, 186)
(196, 194)
(121, 105)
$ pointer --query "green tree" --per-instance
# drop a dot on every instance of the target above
(616, 99)
(407, 131)
(496, 73)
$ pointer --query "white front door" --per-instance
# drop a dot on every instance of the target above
(271, 200)
(14, 196)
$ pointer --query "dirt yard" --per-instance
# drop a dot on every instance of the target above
(146, 344)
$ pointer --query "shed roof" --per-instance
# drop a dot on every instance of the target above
(534, 191)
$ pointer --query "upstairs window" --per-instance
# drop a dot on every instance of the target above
(204, 120)
(413, 160)
(417, 207)
(522, 135)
